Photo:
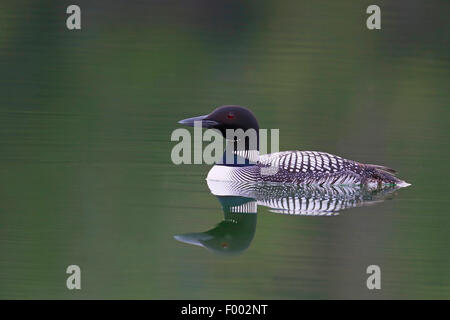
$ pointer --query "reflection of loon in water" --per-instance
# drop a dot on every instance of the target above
(240, 202)
(234, 234)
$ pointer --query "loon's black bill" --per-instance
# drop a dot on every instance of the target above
(205, 123)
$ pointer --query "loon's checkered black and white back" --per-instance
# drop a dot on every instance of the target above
(310, 167)
(307, 167)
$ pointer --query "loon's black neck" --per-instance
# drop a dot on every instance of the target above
(237, 155)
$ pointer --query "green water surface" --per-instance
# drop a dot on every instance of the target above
(86, 117)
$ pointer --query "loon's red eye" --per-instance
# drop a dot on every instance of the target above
(230, 116)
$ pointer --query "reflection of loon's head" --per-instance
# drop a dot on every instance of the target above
(228, 237)
(231, 236)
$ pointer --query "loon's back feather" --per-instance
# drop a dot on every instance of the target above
(382, 168)
(308, 167)
(385, 175)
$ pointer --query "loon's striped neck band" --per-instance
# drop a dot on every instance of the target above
(239, 158)
(249, 207)
(238, 204)
(251, 155)
(235, 157)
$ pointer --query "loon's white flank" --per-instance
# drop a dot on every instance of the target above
(226, 173)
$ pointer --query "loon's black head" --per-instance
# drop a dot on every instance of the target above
(226, 117)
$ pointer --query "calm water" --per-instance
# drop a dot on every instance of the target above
(85, 170)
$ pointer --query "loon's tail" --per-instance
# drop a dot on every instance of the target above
(386, 175)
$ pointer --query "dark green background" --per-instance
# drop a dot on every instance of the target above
(85, 124)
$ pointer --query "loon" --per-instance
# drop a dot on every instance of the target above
(292, 167)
